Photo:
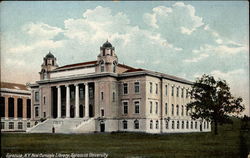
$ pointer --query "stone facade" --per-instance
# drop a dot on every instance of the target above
(15, 107)
(104, 95)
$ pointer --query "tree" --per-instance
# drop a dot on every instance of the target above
(212, 101)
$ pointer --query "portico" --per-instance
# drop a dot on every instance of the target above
(73, 100)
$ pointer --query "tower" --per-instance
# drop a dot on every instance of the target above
(107, 59)
(49, 64)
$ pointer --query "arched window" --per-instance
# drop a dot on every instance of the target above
(114, 66)
(166, 108)
(178, 124)
(172, 109)
(102, 66)
(177, 110)
(196, 125)
(182, 110)
(157, 124)
(125, 124)
(151, 124)
(187, 125)
(191, 124)
(173, 124)
(182, 124)
(136, 124)
(166, 124)
(186, 111)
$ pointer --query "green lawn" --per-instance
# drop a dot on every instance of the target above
(231, 142)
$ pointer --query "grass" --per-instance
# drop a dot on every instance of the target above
(230, 142)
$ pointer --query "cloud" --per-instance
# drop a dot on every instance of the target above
(179, 13)
(196, 59)
(41, 30)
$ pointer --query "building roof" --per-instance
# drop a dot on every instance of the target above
(129, 70)
(14, 86)
(77, 65)
(107, 44)
(49, 55)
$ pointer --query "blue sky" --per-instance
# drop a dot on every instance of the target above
(186, 39)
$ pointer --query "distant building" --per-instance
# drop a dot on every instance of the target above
(15, 107)
(105, 96)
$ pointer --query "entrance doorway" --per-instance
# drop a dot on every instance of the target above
(102, 126)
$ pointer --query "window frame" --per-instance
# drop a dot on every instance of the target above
(126, 88)
(137, 87)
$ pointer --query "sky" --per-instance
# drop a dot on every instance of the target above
(185, 39)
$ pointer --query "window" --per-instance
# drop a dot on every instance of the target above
(114, 67)
(182, 124)
(2, 125)
(166, 108)
(207, 125)
(44, 100)
(102, 66)
(72, 94)
(166, 124)
(156, 107)
(178, 124)
(187, 125)
(182, 110)
(125, 124)
(136, 124)
(137, 107)
(137, 87)
(172, 109)
(11, 125)
(191, 125)
(172, 93)
(204, 125)
(157, 124)
(156, 88)
(36, 96)
(195, 125)
(20, 125)
(186, 93)
(102, 112)
(172, 124)
(151, 107)
(113, 98)
(125, 88)
(28, 124)
(81, 93)
(177, 91)
(177, 110)
(150, 87)
(166, 90)
(36, 111)
(125, 107)
(182, 92)
(102, 96)
(151, 124)
(44, 114)
(186, 111)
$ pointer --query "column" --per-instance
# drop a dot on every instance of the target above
(67, 101)
(86, 100)
(15, 107)
(24, 108)
(77, 101)
(6, 99)
(58, 102)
